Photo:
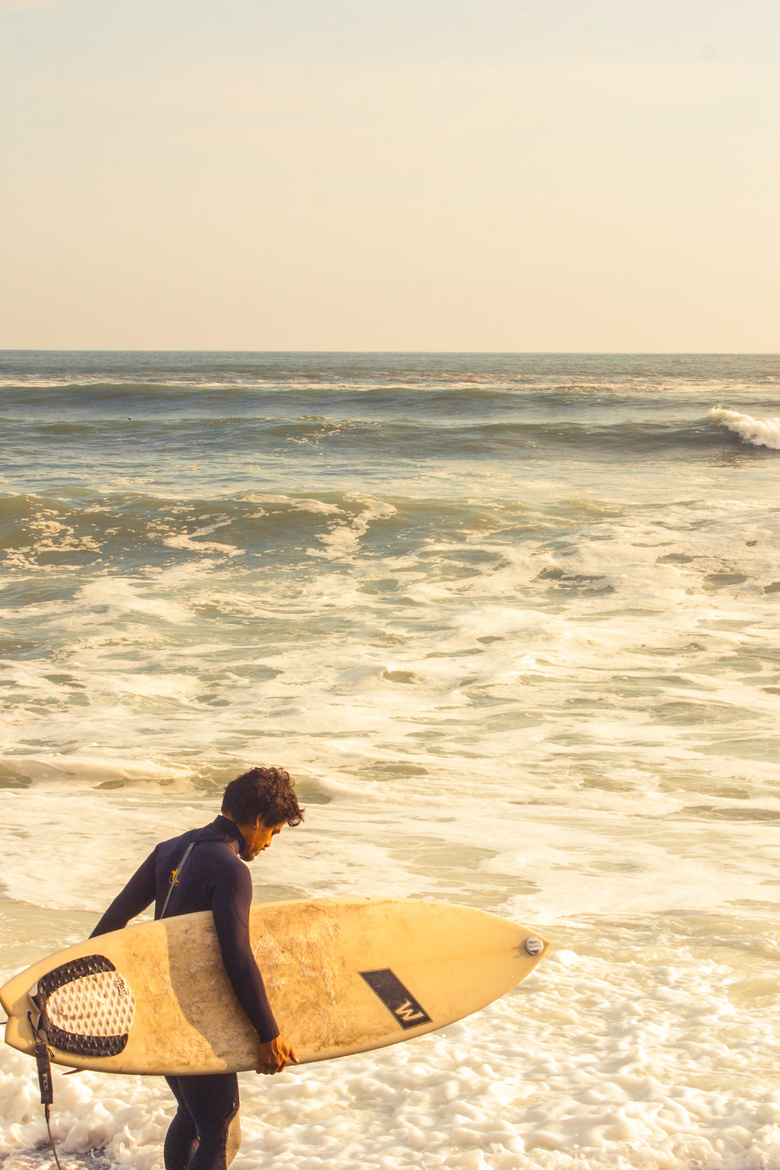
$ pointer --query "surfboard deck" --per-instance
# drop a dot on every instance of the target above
(342, 975)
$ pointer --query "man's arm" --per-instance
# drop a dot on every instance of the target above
(135, 897)
(230, 902)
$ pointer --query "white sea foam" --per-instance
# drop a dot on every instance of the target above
(630, 1060)
(192, 541)
(761, 432)
(316, 506)
(342, 539)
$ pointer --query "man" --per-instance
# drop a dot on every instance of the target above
(202, 870)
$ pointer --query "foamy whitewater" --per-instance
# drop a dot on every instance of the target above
(514, 623)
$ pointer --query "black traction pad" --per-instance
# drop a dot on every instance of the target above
(76, 969)
(74, 1042)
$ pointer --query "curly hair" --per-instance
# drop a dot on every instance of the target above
(263, 792)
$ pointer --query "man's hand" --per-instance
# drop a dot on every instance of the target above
(274, 1055)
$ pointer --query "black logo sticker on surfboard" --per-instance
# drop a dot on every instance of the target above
(397, 999)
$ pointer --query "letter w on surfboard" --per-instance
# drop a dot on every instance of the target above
(342, 975)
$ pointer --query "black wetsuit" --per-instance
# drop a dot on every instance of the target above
(213, 878)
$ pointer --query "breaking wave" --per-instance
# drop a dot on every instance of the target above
(760, 432)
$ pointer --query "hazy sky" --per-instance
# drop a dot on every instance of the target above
(390, 174)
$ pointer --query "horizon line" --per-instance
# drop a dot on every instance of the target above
(420, 352)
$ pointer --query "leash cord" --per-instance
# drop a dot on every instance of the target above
(43, 1061)
(47, 1115)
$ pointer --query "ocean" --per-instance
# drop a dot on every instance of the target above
(513, 623)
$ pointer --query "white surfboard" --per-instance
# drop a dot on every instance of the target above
(342, 975)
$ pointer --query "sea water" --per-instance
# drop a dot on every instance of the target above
(513, 624)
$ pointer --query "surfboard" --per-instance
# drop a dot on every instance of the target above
(342, 976)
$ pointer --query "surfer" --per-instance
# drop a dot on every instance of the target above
(201, 870)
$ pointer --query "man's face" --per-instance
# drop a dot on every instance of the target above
(258, 837)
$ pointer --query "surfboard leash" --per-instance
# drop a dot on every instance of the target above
(43, 1061)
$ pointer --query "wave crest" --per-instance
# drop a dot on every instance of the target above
(761, 432)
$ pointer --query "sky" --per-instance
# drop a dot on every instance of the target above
(457, 175)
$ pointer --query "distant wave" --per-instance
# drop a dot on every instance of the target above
(373, 438)
(761, 432)
(440, 397)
